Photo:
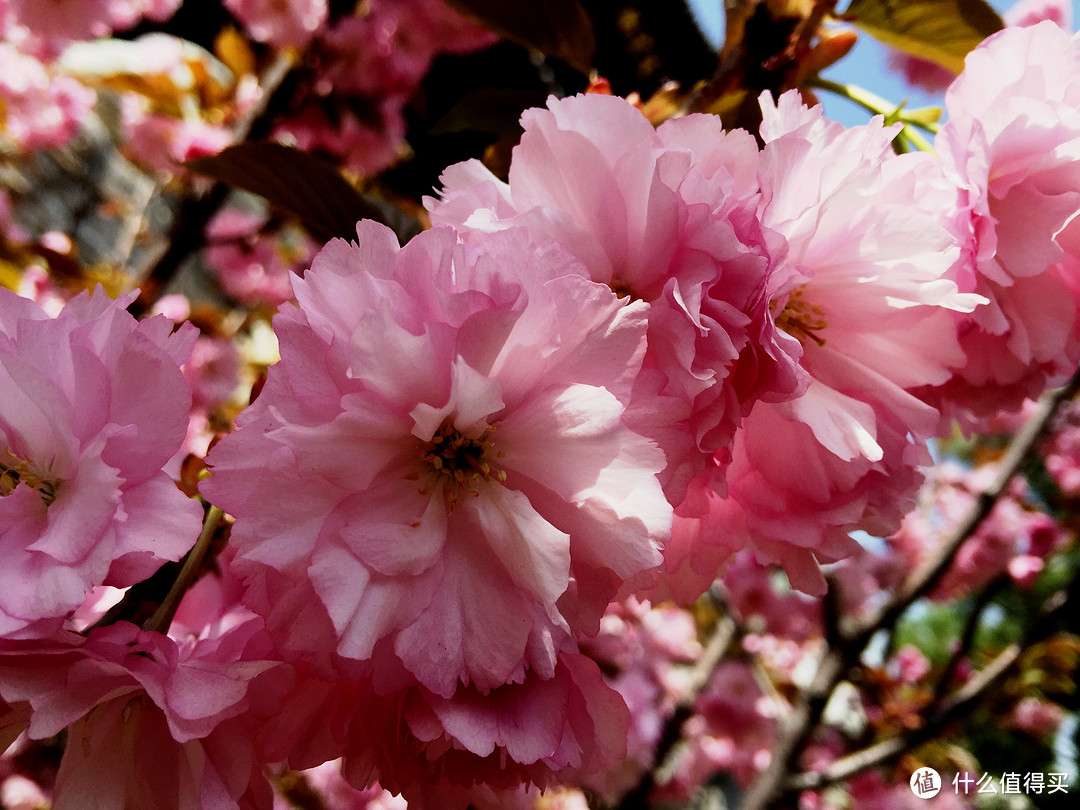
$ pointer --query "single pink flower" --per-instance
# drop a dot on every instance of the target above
(440, 457)
(1009, 153)
(253, 264)
(927, 75)
(866, 293)
(213, 372)
(92, 405)
(164, 142)
(122, 691)
(1039, 718)
(911, 665)
(475, 748)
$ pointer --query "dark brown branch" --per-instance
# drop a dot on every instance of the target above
(771, 785)
(952, 708)
(1019, 453)
(717, 646)
(967, 637)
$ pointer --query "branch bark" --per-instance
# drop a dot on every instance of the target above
(714, 652)
(949, 709)
(773, 784)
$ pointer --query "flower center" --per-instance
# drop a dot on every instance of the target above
(11, 475)
(463, 460)
(799, 318)
(623, 290)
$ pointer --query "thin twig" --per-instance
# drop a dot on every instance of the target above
(193, 564)
(717, 646)
(967, 637)
(1017, 455)
(952, 708)
(808, 28)
(805, 716)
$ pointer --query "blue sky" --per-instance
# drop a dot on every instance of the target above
(864, 66)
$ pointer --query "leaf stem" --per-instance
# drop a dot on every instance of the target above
(877, 105)
(193, 562)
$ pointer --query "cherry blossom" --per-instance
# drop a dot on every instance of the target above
(94, 404)
(934, 78)
(164, 142)
(367, 67)
(123, 691)
(213, 371)
(293, 23)
(646, 652)
(666, 216)
(1007, 150)
(1014, 538)
(253, 261)
(487, 749)
(439, 456)
(40, 110)
(866, 293)
(732, 730)
(56, 22)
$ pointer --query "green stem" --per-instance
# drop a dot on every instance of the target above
(163, 616)
(876, 105)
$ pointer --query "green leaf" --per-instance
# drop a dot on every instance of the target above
(942, 31)
(560, 28)
(304, 186)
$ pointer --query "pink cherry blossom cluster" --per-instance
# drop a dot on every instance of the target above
(1016, 539)
(646, 652)
(254, 259)
(593, 383)
(40, 109)
(178, 103)
(367, 66)
(46, 28)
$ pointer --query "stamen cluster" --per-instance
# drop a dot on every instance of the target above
(462, 459)
(11, 475)
(799, 318)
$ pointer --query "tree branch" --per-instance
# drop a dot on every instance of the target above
(951, 708)
(967, 637)
(193, 565)
(771, 786)
(717, 646)
(1019, 453)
